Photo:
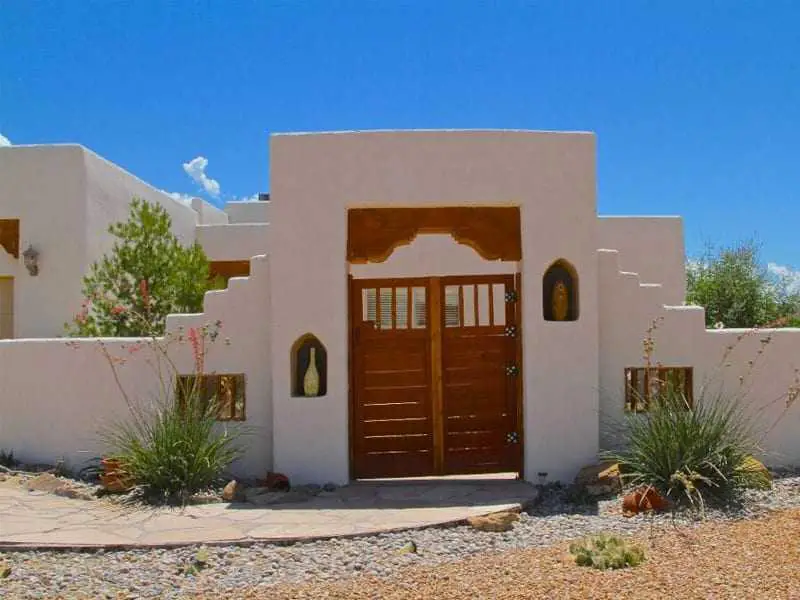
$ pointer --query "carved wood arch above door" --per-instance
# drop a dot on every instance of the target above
(492, 231)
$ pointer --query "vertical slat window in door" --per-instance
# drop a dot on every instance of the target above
(401, 308)
(386, 307)
(451, 308)
(468, 306)
(419, 308)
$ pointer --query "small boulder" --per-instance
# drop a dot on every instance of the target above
(600, 479)
(277, 482)
(495, 522)
(46, 482)
(66, 491)
(233, 492)
(643, 500)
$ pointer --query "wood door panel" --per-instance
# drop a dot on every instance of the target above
(485, 422)
(394, 464)
(400, 410)
(396, 443)
(430, 390)
(399, 395)
(415, 425)
(489, 438)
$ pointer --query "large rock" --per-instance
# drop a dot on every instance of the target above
(600, 479)
(233, 492)
(46, 482)
(496, 522)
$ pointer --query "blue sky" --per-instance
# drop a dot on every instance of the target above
(696, 104)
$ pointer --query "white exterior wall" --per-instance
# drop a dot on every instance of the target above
(65, 197)
(243, 346)
(247, 212)
(44, 187)
(208, 214)
(238, 241)
(109, 191)
(627, 309)
(316, 178)
(652, 247)
(56, 399)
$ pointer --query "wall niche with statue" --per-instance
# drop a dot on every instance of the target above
(309, 367)
(560, 292)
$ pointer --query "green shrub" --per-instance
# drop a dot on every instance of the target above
(8, 460)
(606, 552)
(690, 454)
(174, 449)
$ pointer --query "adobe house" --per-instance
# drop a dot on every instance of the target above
(56, 203)
(429, 303)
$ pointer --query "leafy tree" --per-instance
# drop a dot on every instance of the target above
(147, 275)
(737, 290)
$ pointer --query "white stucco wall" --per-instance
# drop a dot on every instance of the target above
(316, 178)
(243, 346)
(248, 212)
(652, 247)
(44, 187)
(56, 399)
(208, 214)
(681, 339)
(66, 197)
(236, 241)
(57, 395)
(109, 191)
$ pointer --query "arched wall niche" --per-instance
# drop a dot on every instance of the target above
(309, 379)
(560, 292)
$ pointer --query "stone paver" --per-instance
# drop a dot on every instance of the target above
(36, 520)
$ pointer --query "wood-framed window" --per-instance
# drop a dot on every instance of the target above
(227, 390)
(9, 236)
(644, 385)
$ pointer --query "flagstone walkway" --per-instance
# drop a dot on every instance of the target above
(40, 520)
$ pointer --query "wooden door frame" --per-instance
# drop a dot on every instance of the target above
(435, 296)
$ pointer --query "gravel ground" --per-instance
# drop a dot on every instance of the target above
(227, 571)
(734, 560)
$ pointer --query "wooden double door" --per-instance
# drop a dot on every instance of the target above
(435, 376)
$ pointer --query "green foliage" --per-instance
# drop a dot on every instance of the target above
(690, 454)
(173, 449)
(147, 275)
(606, 552)
(738, 291)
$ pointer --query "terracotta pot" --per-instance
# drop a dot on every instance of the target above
(644, 500)
(114, 478)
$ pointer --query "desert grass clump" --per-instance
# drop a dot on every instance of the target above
(692, 454)
(606, 552)
(171, 445)
(173, 449)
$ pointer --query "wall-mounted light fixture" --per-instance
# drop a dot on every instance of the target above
(31, 260)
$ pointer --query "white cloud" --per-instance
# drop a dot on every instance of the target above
(196, 169)
(185, 198)
(4, 141)
(791, 276)
(253, 198)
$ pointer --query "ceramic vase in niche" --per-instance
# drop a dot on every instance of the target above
(311, 378)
